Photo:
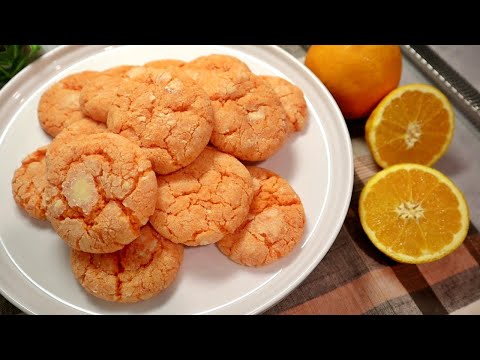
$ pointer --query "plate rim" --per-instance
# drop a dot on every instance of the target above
(64, 50)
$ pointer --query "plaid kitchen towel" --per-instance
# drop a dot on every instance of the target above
(355, 278)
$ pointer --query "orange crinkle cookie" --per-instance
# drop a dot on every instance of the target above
(274, 224)
(166, 114)
(101, 190)
(82, 127)
(139, 271)
(97, 96)
(29, 182)
(292, 99)
(60, 106)
(249, 121)
(203, 202)
(223, 77)
(252, 127)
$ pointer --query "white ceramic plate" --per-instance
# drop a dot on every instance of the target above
(34, 263)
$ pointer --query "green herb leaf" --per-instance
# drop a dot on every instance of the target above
(14, 58)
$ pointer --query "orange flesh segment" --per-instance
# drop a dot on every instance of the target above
(413, 110)
(431, 232)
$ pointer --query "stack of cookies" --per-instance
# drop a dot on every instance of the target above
(148, 159)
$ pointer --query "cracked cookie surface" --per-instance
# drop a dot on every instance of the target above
(82, 127)
(118, 70)
(139, 271)
(166, 114)
(292, 99)
(274, 225)
(203, 202)
(252, 127)
(29, 182)
(222, 77)
(59, 106)
(165, 63)
(101, 190)
(97, 96)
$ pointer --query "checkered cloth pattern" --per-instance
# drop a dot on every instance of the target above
(355, 278)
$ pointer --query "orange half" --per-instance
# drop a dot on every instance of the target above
(412, 124)
(413, 213)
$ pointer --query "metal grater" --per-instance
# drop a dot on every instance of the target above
(459, 90)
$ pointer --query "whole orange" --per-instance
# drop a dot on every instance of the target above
(358, 76)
